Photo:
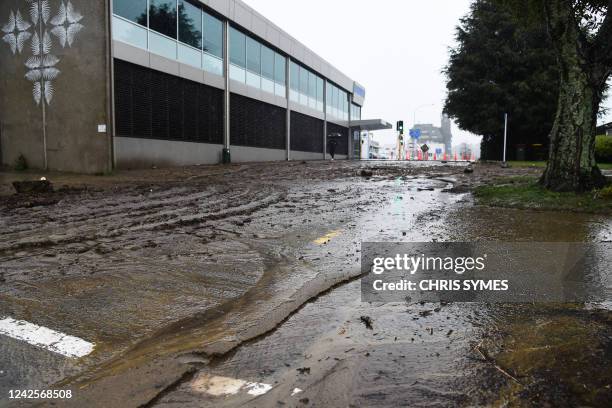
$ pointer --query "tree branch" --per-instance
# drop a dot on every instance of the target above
(602, 45)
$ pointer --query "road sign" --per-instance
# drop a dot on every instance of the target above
(438, 150)
(415, 133)
(425, 148)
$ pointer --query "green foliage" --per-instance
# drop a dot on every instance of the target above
(603, 149)
(606, 193)
(21, 164)
(498, 67)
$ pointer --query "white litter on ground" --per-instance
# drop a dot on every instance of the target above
(217, 386)
(42, 337)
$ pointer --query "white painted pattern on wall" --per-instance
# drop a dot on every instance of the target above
(41, 66)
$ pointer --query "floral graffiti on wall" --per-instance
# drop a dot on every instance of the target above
(39, 30)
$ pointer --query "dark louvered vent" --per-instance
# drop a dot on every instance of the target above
(256, 124)
(153, 105)
(306, 133)
(342, 146)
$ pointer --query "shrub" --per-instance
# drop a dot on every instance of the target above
(21, 163)
(606, 193)
(603, 149)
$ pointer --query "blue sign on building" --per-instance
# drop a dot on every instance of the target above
(415, 133)
(438, 150)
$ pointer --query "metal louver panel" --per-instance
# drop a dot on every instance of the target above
(342, 147)
(306, 133)
(256, 124)
(154, 105)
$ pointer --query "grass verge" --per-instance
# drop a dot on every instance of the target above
(525, 193)
(542, 164)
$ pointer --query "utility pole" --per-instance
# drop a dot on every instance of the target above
(505, 135)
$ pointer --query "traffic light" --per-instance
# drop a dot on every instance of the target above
(400, 127)
(401, 140)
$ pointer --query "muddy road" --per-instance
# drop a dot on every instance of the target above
(210, 286)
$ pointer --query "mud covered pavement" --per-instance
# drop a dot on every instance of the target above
(194, 286)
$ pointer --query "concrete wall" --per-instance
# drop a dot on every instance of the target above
(80, 100)
(296, 155)
(256, 154)
(134, 153)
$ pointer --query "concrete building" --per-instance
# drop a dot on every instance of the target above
(439, 136)
(605, 129)
(88, 86)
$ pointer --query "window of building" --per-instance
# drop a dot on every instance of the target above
(162, 17)
(280, 65)
(133, 10)
(303, 81)
(267, 62)
(294, 74)
(319, 89)
(355, 112)
(294, 82)
(335, 101)
(253, 49)
(190, 24)
(237, 48)
(312, 86)
(213, 35)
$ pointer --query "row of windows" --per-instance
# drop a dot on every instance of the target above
(199, 35)
(337, 102)
(305, 87)
(355, 112)
(178, 29)
(255, 64)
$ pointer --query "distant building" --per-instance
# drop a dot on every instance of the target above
(431, 134)
(605, 129)
(374, 152)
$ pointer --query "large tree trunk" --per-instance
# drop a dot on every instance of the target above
(571, 163)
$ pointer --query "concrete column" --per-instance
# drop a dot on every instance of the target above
(325, 119)
(287, 95)
(350, 133)
(226, 93)
(110, 89)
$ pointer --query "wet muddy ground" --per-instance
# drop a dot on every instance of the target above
(189, 277)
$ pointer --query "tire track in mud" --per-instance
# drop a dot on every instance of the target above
(149, 218)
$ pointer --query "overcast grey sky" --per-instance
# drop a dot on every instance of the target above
(395, 48)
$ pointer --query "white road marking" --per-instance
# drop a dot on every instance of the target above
(45, 338)
(295, 391)
(218, 386)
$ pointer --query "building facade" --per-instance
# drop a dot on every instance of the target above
(440, 138)
(605, 129)
(91, 86)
